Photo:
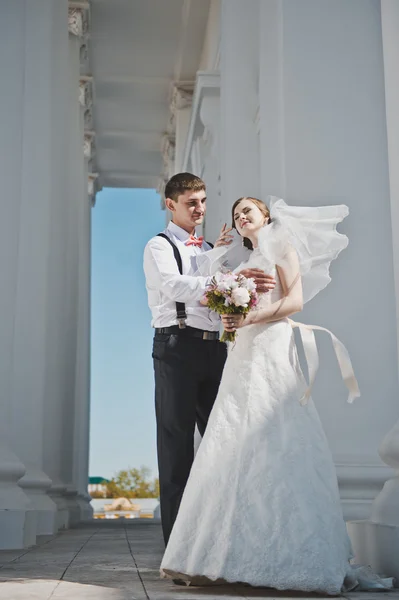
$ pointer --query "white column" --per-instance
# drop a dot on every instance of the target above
(271, 100)
(31, 59)
(239, 100)
(209, 113)
(82, 390)
(376, 541)
(16, 510)
(82, 370)
(323, 141)
(47, 29)
(75, 177)
(82, 192)
(390, 39)
(56, 442)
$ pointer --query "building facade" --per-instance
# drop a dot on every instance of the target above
(294, 98)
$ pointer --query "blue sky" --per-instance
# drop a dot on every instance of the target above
(122, 389)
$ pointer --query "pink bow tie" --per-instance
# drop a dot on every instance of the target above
(195, 241)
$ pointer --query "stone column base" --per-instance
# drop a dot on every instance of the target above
(18, 529)
(46, 513)
(376, 545)
(17, 517)
(57, 494)
(86, 509)
(71, 499)
(35, 484)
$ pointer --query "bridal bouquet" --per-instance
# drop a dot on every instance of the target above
(229, 293)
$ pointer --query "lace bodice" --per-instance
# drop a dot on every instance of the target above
(258, 261)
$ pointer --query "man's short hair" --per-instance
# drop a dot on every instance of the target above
(181, 183)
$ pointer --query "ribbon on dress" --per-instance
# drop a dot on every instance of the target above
(312, 359)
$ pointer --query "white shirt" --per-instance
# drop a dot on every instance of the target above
(165, 286)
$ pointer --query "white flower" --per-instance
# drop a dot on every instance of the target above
(223, 287)
(250, 285)
(230, 279)
(240, 296)
(225, 281)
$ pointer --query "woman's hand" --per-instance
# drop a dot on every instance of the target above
(264, 283)
(234, 322)
(224, 238)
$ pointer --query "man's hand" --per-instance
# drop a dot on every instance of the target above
(264, 283)
(224, 238)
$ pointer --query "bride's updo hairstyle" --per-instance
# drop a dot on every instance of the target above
(263, 209)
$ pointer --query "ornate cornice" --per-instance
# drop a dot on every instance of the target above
(79, 25)
(84, 54)
(86, 91)
(168, 146)
(86, 100)
(89, 144)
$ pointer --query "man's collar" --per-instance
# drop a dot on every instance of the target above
(178, 232)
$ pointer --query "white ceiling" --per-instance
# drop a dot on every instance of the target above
(138, 48)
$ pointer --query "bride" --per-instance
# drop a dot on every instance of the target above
(261, 505)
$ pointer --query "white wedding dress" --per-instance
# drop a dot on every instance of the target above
(261, 505)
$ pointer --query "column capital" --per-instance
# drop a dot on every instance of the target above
(92, 185)
(181, 96)
(78, 18)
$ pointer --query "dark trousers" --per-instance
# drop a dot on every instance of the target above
(187, 376)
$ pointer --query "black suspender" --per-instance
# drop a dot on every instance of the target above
(180, 306)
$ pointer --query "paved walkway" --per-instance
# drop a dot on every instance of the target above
(111, 561)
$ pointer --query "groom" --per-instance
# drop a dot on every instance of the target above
(188, 356)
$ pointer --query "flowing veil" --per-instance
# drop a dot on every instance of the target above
(310, 231)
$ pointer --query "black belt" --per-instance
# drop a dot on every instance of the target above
(189, 332)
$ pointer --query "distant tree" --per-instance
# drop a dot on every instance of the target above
(97, 494)
(132, 483)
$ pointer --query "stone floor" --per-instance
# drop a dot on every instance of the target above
(111, 561)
